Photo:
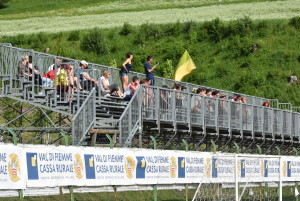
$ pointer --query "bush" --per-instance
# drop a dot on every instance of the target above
(240, 47)
(96, 42)
(215, 29)
(295, 22)
(74, 36)
(126, 29)
(3, 2)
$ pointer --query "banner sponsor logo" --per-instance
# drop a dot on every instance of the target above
(14, 168)
(32, 166)
(78, 166)
(141, 167)
(89, 166)
(129, 166)
(173, 167)
(243, 168)
(181, 168)
(214, 168)
(208, 167)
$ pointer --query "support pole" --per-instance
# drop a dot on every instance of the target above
(15, 141)
(111, 146)
(155, 198)
(186, 185)
(296, 184)
(238, 149)
(260, 185)
(72, 193)
(278, 151)
(214, 146)
(111, 143)
(65, 136)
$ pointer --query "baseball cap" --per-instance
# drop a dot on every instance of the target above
(83, 62)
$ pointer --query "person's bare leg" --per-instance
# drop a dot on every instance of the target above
(125, 82)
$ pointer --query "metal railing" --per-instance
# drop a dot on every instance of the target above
(130, 121)
(176, 107)
(84, 119)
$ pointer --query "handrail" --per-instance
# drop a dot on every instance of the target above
(85, 116)
(136, 118)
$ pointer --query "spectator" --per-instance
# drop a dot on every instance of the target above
(126, 68)
(50, 75)
(266, 104)
(230, 98)
(202, 91)
(244, 99)
(131, 88)
(62, 83)
(208, 92)
(52, 67)
(222, 96)
(149, 70)
(85, 80)
(109, 88)
(196, 101)
(23, 70)
(215, 94)
(34, 72)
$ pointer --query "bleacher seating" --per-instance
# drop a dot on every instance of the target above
(161, 114)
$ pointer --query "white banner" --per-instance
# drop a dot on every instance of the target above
(38, 166)
(11, 168)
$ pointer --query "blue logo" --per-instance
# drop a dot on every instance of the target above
(32, 166)
(214, 168)
(141, 167)
(266, 167)
(289, 169)
(89, 166)
(181, 169)
(243, 168)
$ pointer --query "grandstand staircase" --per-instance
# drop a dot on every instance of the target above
(94, 119)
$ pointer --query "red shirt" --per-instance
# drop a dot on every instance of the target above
(50, 74)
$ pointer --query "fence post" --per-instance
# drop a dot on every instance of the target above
(260, 185)
(15, 141)
(65, 136)
(111, 146)
(296, 184)
(186, 186)
(155, 186)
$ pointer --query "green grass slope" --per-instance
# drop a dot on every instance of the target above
(221, 50)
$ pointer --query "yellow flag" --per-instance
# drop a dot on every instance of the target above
(184, 67)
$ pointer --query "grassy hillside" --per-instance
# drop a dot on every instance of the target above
(221, 50)
(70, 15)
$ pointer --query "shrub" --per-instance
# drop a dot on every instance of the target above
(295, 22)
(126, 29)
(215, 29)
(240, 47)
(3, 2)
(96, 42)
(74, 36)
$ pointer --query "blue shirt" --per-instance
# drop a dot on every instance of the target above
(148, 67)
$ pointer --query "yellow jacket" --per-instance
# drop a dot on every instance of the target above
(62, 78)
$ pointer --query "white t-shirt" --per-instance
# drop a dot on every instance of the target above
(106, 81)
(128, 90)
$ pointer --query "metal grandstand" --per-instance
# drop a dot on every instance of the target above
(167, 115)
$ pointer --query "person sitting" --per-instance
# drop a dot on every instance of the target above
(215, 94)
(109, 88)
(266, 104)
(131, 88)
(208, 92)
(86, 82)
(62, 83)
(49, 75)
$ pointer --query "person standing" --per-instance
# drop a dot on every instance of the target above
(149, 70)
(126, 68)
